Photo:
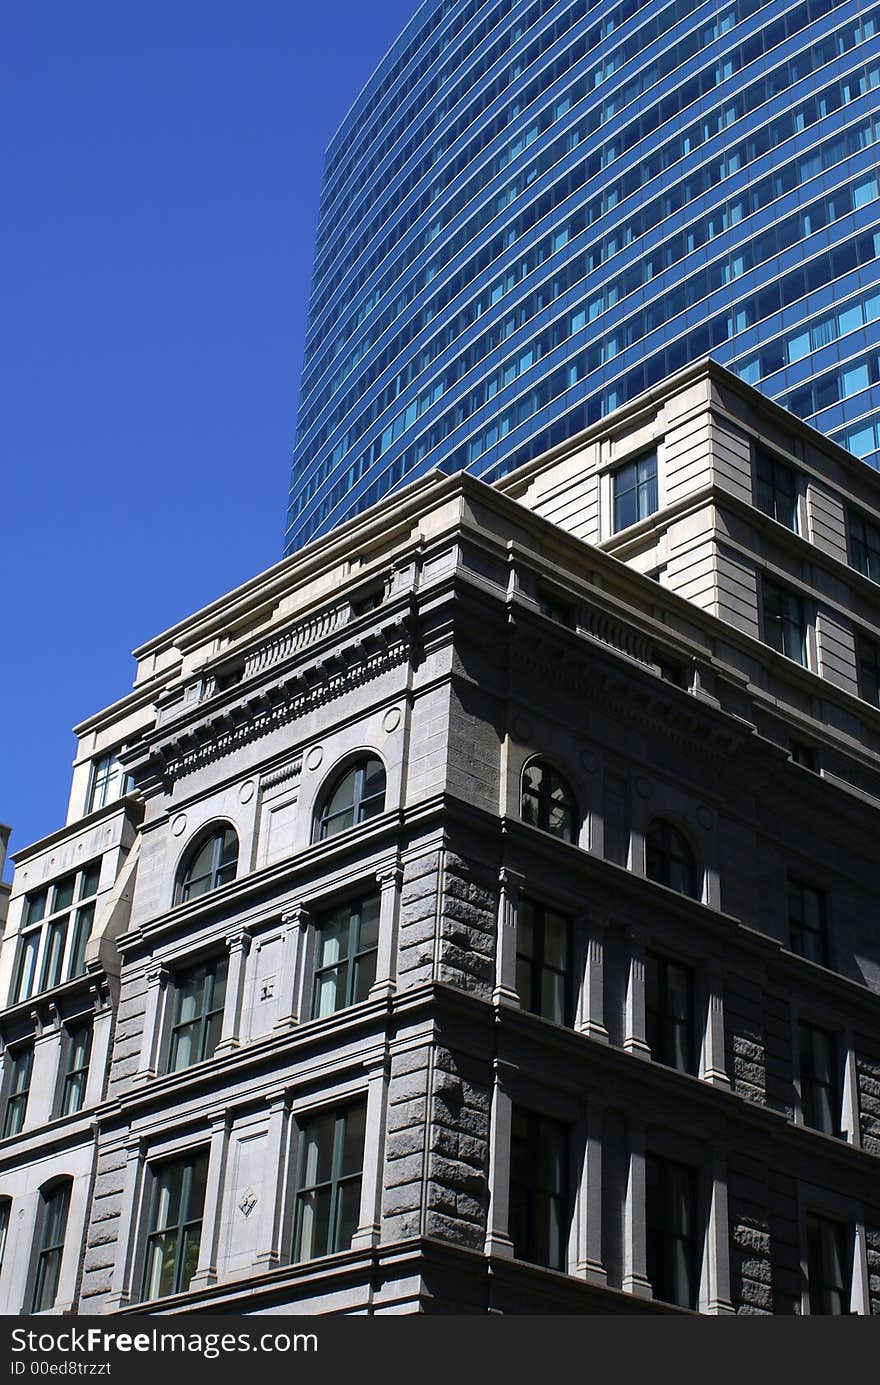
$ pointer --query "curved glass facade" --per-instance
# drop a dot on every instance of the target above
(534, 211)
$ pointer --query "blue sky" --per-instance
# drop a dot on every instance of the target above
(161, 171)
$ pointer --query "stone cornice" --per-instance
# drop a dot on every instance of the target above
(651, 703)
(130, 807)
(210, 733)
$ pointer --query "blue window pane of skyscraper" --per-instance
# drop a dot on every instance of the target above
(534, 211)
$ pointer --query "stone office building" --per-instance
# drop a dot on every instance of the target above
(478, 910)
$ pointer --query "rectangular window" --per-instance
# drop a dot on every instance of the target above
(868, 654)
(540, 1206)
(346, 948)
(78, 1050)
(199, 996)
(804, 755)
(829, 1265)
(107, 782)
(328, 1189)
(543, 963)
(51, 950)
(807, 921)
(82, 932)
(175, 1230)
(671, 1228)
(635, 491)
(5, 1204)
(785, 626)
(669, 1013)
(616, 824)
(53, 953)
(27, 964)
(820, 1085)
(864, 546)
(18, 1085)
(776, 490)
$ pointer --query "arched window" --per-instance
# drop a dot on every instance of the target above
(669, 859)
(51, 1231)
(356, 795)
(548, 802)
(211, 862)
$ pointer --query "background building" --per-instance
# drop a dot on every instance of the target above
(537, 209)
(489, 920)
(5, 889)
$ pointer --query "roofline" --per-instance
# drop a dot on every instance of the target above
(321, 552)
(409, 502)
(704, 368)
(324, 550)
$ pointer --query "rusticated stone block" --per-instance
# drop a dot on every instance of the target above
(406, 1142)
(407, 1197)
(454, 1229)
(457, 1175)
(108, 1184)
(405, 1114)
(407, 1169)
(399, 1227)
(757, 1295)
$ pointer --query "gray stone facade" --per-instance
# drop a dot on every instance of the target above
(510, 1152)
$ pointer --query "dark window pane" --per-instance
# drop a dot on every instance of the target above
(669, 1013)
(671, 1229)
(53, 953)
(829, 1265)
(78, 1052)
(62, 896)
(635, 491)
(785, 627)
(864, 543)
(53, 1227)
(329, 1182)
(199, 998)
(18, 1082)
(346, 951)
(354, 798)
(27, 965)
(616, 825)
(543, 964)
(81, 933)
(669, 859)
(776, 489)
(869, 670)
(820, 1089)
(213, 864)
(177, 1208)
(548, 802)
(539, 1210)
(808, 928)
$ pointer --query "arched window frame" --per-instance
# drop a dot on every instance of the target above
(49, 1239)
(551, 779)
(217, 833)
(671, 857)
(362, 807)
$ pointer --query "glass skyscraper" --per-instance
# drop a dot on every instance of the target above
(536, 210)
